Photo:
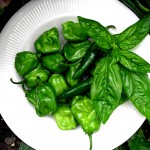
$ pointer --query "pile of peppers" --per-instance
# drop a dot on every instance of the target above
(56, 80)
(83, 81)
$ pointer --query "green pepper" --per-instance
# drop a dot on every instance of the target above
(31, 96)
(58, 82)
(70, 74)
(42, 97)
(75, 99)
(54, 63)
(87, 61)
(75, 51)
(30, 78)
(46, 102)
(25, 62)
(64, 118)
(48, 42)
(73, 32)
(84, 112)
(76, 89)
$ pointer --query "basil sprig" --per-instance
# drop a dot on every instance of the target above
(127, 74)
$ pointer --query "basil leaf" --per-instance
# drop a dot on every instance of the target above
(134, 34)
(134, 62)
(97, 32)
(137, 88)
(106, 88)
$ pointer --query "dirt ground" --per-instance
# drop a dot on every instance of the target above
(8, 140)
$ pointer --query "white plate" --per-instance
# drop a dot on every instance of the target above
(19, 34)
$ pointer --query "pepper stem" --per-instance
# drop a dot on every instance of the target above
(20, 82)
(90, 138)
(111, 27)
(24, 89)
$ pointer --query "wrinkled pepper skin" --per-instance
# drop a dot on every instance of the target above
(25, 62)
(31, 96)
(54, 62)
(30, 78)
(84, 112)
(46, 102)
(75, 99)
(64, 118)
(48, 42)
(76, 51)
(58, 82)
(43, 98)
(70, 73)
(73, 32)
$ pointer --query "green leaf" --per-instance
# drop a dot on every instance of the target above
(137, 88)
(134, 62)
(139, 142)
(106, 88)
(24, 146)
(97, 32)
(134, 34)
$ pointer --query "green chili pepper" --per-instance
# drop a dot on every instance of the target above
(73, 32)
(48, 42)
(84, 112)
(46, 102)
(58, 82)
(70, 73)
(54, 62)
(25, 62)
(64, 118)
(75, 51)
(77, 89)
(87, 61)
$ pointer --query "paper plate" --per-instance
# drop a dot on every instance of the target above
(20, 33)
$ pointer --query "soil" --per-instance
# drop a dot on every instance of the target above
(8, 140)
